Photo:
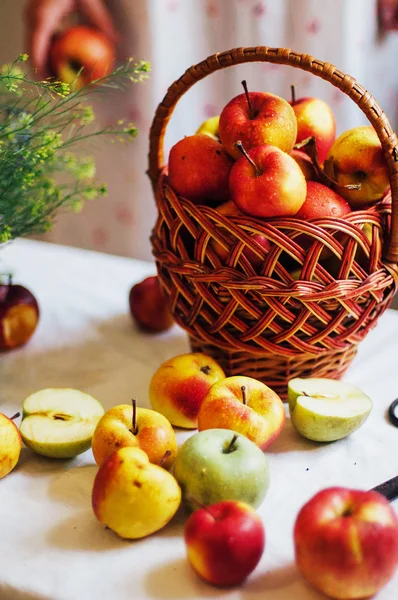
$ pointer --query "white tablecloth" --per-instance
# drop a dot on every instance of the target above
(52, 548)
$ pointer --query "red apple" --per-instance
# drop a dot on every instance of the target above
(267, 182)
(246, 406)
(322, 201)
(224, 542)
(19, 315)
(257, 118)
(305, 163)
(229, 209)
(148, 306)
(315, 118)
(346, 542)
(79, 48)
(199, 169)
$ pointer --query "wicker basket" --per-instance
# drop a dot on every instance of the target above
(299, 314)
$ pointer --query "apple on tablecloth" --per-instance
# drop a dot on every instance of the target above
(224, 542)
(245, 405)
(219, 464)
(346, 542)
(125, 425)
(10, 444)
(325, 410)
(179, 385)
(59, 423)
(19, 315)
(132, 496)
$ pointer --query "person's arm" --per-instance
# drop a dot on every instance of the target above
(43, 18)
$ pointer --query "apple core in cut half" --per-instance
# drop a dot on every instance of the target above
(325, 410)
(59, 423)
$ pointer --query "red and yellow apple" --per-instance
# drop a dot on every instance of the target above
(245, 405)
(132, 496)
(229, 209)
(257, 118)
(126, 426)
(267, 182)
(224, 542)
(199, 169)
(357, 157)
(179, 385)
(10, 444)
(78, 48)
(321, 201)
(19, 315)
(346, 542)
(305, 163)
(148, 306)
(315, 119)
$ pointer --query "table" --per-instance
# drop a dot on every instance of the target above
(52, 548)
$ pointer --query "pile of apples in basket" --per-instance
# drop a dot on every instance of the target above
(264, 157)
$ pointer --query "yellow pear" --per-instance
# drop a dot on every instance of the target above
(132, 496)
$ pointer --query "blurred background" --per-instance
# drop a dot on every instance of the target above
(358, 36)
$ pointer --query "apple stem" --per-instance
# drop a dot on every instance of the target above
(243, 388)
(164, 457)
(251, 111)
(206, 369)
(231, 444)
(293, 92)
(200, 505)
(134, 429)
(257, 170)
(18, 414)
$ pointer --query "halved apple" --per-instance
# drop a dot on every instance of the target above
(59, 423)
(325, 410)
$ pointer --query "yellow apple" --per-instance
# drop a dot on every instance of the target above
(245, 405)
(10, 444)
(133, 497)
(179, 385)
(210, 127)
(357, 157)
(124, 425)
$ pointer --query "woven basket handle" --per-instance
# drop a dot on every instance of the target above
(283, 56)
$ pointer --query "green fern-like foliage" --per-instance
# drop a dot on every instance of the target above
(41, 125)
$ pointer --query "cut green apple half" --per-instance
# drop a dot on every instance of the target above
(59, 423)
(325, 410)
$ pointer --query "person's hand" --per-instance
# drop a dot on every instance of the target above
(388, 14)
(44, 17)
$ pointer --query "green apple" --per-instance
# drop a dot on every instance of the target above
(59, 423)
(325, 410)
(219, 464)
(210, 127)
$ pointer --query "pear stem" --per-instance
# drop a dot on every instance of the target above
(15, 416)
(251, 111)
(257, 170)
(134, 429)
(231, 443)
(243, 388)
(293, 92)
